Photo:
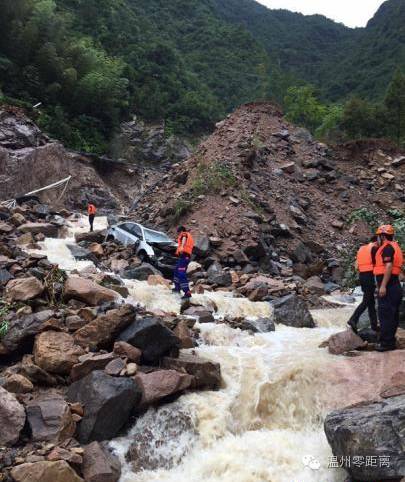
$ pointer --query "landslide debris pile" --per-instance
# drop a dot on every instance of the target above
(261, 191)
(76, 361)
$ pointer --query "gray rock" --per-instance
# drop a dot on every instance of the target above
(292, 311)
(141, 273)
(370, 430)
(153, 338)
(207, 374)
(5, 276)
(21, 333)
(12, 418)
(99, 464)
(108, 404)
(264, 325)
(202, 246)
(217, 276)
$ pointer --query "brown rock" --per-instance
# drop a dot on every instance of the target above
(90, 237)
(345, 341)
(395, 387)
(88, 291)
(101, 332)
(99, 465)
(50, 419)
(59, 453)
(36, 374)
(123, 349)
(24, 239)
(289, 167)
(315, 285)
(259, 294)
(183, 332)
(12, 418)
(161, 384)
(119, 265)
(46, 471)
(87, 314)
(49, 230)
(96, 249)
(157, 280)
(206, 374)
(18, 384)
(89, 363)
(24, 289)
(56, 352)
(75, 322)
(5, 228)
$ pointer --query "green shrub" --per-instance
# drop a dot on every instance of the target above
(212, 179)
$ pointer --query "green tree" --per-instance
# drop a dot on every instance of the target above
(395, 103)
(303, 108)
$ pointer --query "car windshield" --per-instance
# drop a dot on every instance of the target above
(156, 237)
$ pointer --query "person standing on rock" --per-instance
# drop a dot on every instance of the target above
(389, 260)
(91, 211)
(365, 266)
(185, 246)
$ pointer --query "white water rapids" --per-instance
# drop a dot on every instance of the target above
(267, 420)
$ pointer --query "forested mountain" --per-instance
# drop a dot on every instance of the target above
(94, 62)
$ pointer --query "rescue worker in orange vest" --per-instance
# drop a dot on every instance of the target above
(91, 211)
(185, 246)
(365, 266)
(389, 260)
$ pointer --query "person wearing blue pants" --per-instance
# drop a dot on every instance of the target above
(185, 245)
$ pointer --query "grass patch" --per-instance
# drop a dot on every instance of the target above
(212, 179)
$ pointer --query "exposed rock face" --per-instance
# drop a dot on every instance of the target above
(151, 337)
(88, 291)
(344, 342)
(21, 332)
(293, 311)
(56, 352)
(161, 384)
(50, 419)
(12, 418)
(99, 465)
(370, 430)
(101, 332)
(108, 403)
(206, 374)
(59, 471)
(24, 289)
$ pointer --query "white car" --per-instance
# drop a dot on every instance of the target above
(148, 243)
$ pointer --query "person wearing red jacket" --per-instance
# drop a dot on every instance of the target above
(91, 211)
(185, 246)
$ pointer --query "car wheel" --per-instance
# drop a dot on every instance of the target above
(110, 237)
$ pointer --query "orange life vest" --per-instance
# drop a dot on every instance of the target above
(91, 209)
(365, 258)
(379, 268)
(188, 245)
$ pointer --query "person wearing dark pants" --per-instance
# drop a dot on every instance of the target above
(91, 210)
(185, 246)
(389, 260)
(365, 266)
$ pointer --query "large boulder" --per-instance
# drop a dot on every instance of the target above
(370, 431)
(161, 384)
(56, 352)
(202, 246)
(315, 285)
(50, 419)
(12, 418)
(217, 276)
(141, 273)
(292, 311)
(108, 403)
(21, 331)
(45, 471)
(88, 291)
(47, 229)
(153, 338)
(345, 341)
(101, 332)
(24, 289)
(99, 464)
(207, 374)
(91, 237)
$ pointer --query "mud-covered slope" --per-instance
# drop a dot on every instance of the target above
(259, 179)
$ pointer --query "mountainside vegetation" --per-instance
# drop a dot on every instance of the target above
(93, 63)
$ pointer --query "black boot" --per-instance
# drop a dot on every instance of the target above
(353, 325)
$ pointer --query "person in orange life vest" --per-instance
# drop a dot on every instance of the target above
(91, 211)
(185, 246)
(389, 261)
(365, 261)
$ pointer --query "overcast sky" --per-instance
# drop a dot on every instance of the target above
(353, 13)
